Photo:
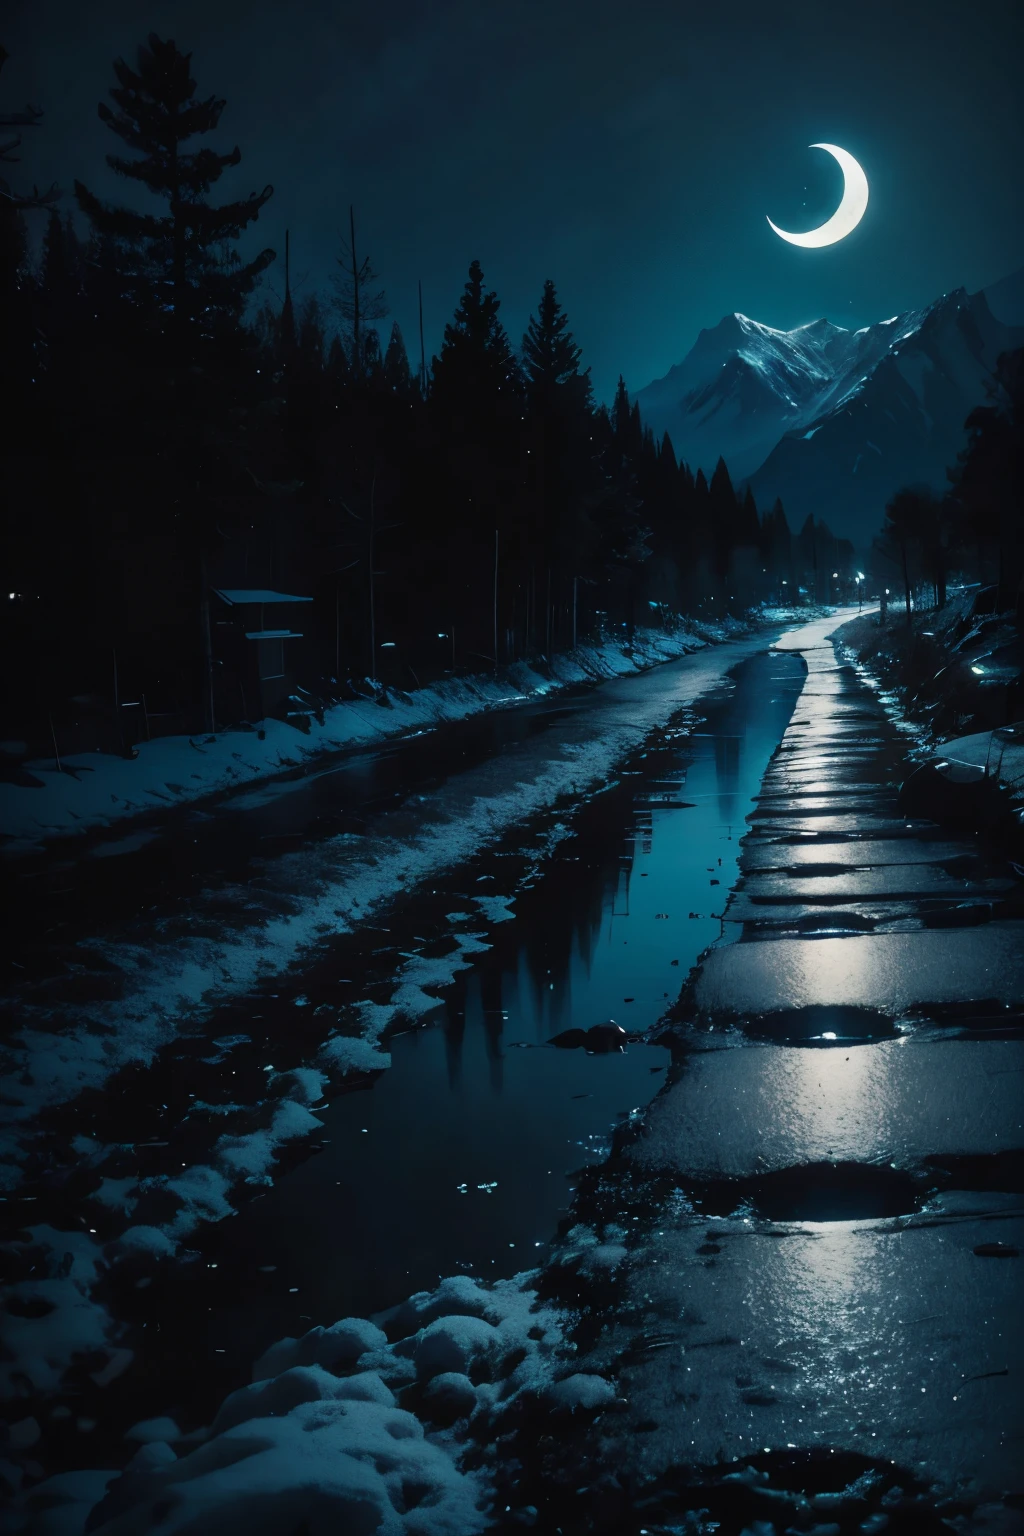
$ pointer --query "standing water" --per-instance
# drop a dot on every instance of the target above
(461, 1156)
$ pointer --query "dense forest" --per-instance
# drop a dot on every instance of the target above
(170, 435)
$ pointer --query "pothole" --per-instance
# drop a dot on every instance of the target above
(839, 1025)
(988, 1173)
(815, 1192)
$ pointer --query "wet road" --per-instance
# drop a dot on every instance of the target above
(810, 1238)
(456, 1156)
(828, 1197)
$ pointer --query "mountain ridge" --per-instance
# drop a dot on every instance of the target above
(830, 419)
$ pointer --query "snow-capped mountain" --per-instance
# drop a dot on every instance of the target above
(832, 420)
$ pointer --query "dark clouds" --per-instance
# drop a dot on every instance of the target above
(629, 151)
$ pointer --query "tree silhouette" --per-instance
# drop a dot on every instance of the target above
(28, 117)
(157, 114)
(356, 302)
(907, 519)
(551, 360)
(181, 264)
(397, 373)
(988, 480)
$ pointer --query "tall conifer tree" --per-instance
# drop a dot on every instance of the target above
(157, 114)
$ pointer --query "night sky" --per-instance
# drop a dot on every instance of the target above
(629, 151)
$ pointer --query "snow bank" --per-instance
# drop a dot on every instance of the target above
(95, 790)
(167, 981)
(50, 1320)
(999, 753)
(357, 1428)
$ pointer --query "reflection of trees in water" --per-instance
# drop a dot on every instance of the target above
(727, 776)
(528, 972)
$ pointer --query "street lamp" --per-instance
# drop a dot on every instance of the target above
(860, 591)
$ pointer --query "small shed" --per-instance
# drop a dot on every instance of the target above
(257, 645)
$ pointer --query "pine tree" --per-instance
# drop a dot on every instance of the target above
(371, 358)
(748, 524)
(28, 117)
(187, 285)
(476, 412)
(723, 510)
(338, 370)
(476, 365)
(620, 411)
(781, 544)
(157, 114)
(286, 333)
(551, 360)
(397, 373)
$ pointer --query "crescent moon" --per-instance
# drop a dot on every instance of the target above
(850, 211)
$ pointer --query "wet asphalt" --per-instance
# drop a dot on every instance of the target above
(462, 1154)
(824, 1208)
(821, 1208)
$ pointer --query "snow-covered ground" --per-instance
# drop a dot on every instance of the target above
(999, 754)
(95, 790)
(389, 1425)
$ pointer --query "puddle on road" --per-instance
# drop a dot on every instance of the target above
(461, 1156)
(458, 1157)
(815, 1192)
(820, 1025)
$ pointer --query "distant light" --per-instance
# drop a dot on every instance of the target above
(12, 596)
(834, 575)
(828, 1035)
(887, 591)
(979, 670)
(860, 575)
(387, 645)
(442, 637)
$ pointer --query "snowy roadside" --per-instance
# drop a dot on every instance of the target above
(94, 791)
(172, 983)
(165, 976)
(402, 1423)
(397, 1425)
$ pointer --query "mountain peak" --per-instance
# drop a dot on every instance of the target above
(872, 408)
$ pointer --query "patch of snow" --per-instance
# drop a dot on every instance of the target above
(581, 1391)
(354, 1428)
(50, 1319)
(345, 1053)
(150, 1430)
(98, 789)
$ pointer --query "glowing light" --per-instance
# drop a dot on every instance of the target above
(850, 211)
